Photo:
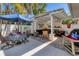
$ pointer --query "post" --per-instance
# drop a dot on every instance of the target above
(73, 48)
(1, 26)
(15, 25)
(32, 30)
(51, 25)
(34, 26)
(51, 35)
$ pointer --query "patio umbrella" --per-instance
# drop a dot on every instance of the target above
(15, 18)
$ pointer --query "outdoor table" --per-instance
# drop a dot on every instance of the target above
(72, 41)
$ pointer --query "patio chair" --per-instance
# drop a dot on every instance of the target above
(59, 33)
(5, 42)
(36, 34)
(18, 42)
(25, 40)
(1, 46)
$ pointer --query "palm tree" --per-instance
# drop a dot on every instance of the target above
(39, 8)
(35, 8)
(7, 11)
(2, 12)
(25, 8)
(18, 8)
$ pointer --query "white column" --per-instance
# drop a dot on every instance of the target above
(51, 34)
(51, 24)
(34, 25)
(32, 30)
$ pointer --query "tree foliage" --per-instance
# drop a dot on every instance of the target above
(25, 8)
(68, 21)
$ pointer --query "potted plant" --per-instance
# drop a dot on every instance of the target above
(68, 22)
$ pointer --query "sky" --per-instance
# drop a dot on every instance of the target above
(54, 6)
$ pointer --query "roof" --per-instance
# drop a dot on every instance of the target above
(58, 14)
(54, 12)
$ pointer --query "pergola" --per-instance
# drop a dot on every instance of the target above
(49, 16)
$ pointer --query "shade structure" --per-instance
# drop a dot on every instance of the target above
(15, 18)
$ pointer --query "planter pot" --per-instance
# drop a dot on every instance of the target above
(68, 25)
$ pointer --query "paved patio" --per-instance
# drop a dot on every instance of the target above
(58, 43)
(21, 49)
(34, 48)
(51, 51)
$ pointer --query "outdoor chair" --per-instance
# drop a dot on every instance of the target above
(59, 33)
(5, 42)
(1, 46)
(23, 40)
(18, 42)
(35, 34)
